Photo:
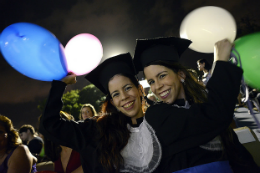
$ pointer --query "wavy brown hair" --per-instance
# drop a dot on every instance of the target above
(114, 134)
(13, 136)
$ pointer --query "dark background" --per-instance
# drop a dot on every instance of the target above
(117, 23)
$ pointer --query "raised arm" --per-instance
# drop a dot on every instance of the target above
(67, 133)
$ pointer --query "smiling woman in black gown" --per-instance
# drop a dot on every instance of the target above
(188, 120)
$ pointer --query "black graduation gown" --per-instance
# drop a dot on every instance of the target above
(179, 131)
(79, 136)
(182, 131)
(239, 158)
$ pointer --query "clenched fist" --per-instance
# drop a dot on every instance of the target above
(69, 79)
(222, 50)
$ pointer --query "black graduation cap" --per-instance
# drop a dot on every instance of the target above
(120, 64)
(161, 48)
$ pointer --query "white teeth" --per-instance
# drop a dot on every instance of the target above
(128, 105)
(164, 93)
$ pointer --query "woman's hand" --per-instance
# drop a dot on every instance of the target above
(222, 50)
(70, 78)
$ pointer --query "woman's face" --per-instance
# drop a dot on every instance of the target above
(125, 96)
(3, 137)
(164, 83)
(86, 113)
(201, 66)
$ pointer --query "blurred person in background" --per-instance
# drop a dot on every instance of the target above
(87, 111)
(204, 66)
(35, 143)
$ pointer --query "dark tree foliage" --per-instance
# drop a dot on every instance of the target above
(91, 94)
(74, 99)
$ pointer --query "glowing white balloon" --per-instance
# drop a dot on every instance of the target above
(205, 26)
(83, 53)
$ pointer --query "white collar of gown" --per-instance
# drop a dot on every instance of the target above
(143, 151)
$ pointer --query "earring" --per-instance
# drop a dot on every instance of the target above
(182, 81)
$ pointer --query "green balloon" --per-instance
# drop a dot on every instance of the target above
(249, 49)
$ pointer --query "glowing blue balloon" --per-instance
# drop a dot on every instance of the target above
(33, 51)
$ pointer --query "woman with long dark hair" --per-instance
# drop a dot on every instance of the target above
(190, 123)
(205, 67)
(120, 139)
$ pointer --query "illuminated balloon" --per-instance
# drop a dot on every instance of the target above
(83, 53)
(248, 48)
(33, 51)
(207, 25)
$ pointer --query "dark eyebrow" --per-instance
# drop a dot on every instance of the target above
(158, 74)
(116, 90)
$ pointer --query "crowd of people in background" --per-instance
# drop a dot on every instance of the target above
(24, 150)
(14, 156)
(204, 67)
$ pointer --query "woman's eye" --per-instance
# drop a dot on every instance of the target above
(114, 95)
(150, 82)
(162, 76)
(127, 88)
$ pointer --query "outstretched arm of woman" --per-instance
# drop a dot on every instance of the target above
(71, 134)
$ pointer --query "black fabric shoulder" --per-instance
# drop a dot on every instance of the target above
(35, 145)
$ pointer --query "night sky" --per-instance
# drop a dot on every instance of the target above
(117, 24)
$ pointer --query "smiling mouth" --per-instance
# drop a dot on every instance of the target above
(165, 94)
(128, 105)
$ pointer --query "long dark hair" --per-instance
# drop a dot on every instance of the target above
(196, 93)
(114, 134)
(207, 65)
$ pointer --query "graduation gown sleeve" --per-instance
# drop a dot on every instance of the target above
(75, 135)
(179, 129)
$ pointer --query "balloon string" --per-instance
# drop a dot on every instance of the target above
(244, 86)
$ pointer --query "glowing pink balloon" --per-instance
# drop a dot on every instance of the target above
(83, 53)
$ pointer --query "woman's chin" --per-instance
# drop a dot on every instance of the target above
(169, 101)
